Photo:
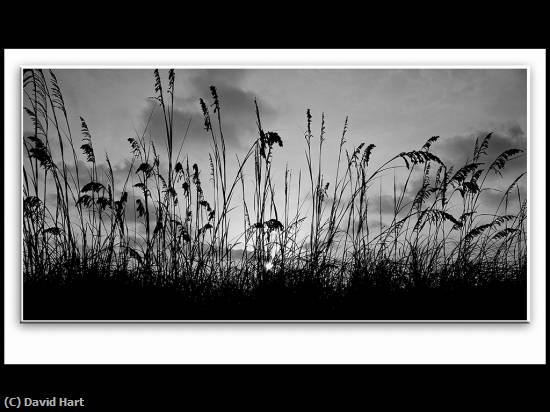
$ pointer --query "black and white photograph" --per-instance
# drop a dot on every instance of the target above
(274, 194)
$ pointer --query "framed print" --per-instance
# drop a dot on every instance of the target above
(275, 194)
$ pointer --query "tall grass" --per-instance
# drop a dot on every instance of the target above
(322, 242)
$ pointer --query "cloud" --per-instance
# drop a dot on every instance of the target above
(459, 149)
(493, 199)
(386, 201)
(237, 110)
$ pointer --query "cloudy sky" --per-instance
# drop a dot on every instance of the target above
(397, 110)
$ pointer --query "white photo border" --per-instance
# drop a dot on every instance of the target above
(275, 343)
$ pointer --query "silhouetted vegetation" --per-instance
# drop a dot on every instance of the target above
(438, 257)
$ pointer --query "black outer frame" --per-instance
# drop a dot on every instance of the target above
(349, 387)
(152, 385)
